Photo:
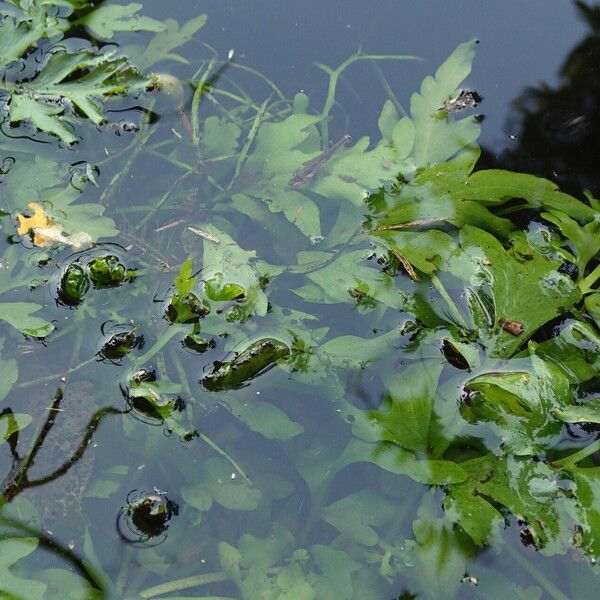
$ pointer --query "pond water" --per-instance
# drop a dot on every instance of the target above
(276, 326)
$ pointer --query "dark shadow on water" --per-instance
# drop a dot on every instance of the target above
(556, 129)
(17, 481)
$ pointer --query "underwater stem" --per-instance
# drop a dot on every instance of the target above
(444, 294)
(161, 201)
(570, 461)
(200, 87)
(57, 375)
(222, 452)
(160, 343)
(138, 144)
(183, 584)
(334, 75)
(549, 586)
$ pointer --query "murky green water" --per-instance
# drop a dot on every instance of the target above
(244, 356)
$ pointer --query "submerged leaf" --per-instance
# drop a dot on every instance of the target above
(356, 515)
(11, 550)
(106, 20)
(172, 36)
(19, 315)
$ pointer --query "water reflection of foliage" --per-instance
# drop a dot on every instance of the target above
(557, 128)
(17, 481)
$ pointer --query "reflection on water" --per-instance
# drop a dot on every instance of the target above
(556, 127)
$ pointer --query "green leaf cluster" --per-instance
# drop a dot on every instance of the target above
(66, 83)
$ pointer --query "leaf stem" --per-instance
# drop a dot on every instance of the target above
(54, 546)
(550, 587)
(171, 160)
(568, 462)
(251, 135)
(444, 294)
(57, 375)
(161, 201)
(586, 285)
(334, 75)
(224, 454)
(388, 89)
(197, 97)
(160, 343)
(183, 584)
(139, 144)
(270, 83)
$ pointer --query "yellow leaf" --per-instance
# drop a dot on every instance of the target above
(45, 232)
(38, 219)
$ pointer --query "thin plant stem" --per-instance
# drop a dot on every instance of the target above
(224, 454)
(570, 461)
(54, 546)
(160, 343)
(184, 381)
(70, 371)
(142, 138)
(245, 103)
(197, 97)
(250, 139)
(184, 584)
(171, 160)
(549, 586)
(586, 285)
(161, 201)
(444, 294)
(260, 75)
(121, 578)
(181, 373)
(388, 89)
(334, 75)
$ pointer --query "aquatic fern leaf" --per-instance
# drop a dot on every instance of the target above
(69, 81)
(16, 36)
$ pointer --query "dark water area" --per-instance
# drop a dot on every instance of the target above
(206, 403)
(522, 45)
